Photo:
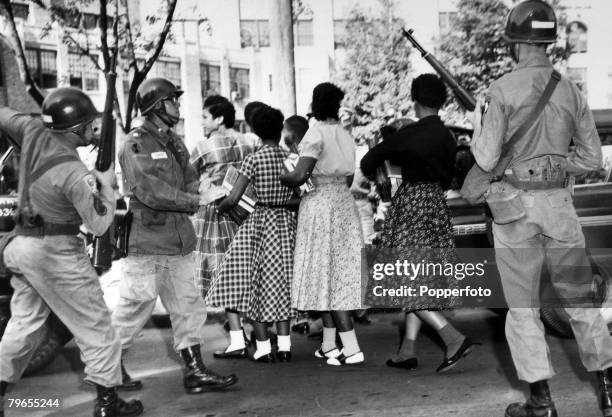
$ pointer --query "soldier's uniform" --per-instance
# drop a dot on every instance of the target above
(551, 225)
(162, 187)
(52, 271)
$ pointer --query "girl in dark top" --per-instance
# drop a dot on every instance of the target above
(419, 217)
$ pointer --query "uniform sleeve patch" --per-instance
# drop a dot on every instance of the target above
(91, 182)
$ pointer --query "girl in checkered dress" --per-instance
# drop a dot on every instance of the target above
(212, 157)
(255, 276)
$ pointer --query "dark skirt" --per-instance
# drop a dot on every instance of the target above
(419, 225)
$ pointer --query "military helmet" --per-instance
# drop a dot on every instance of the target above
(67, 109)
(532, 21)
(154, 90)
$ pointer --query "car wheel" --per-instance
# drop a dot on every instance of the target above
(55, 336)
(557, 320)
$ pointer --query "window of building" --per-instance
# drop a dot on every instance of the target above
(21, 11)
(339, 34)
(83, 73)
(304, 33)
(43, 66)
(254, 33)
(577, 34)
(578, 76)
(165, 69)
(210, 79)
(239, 82)
(446, 20)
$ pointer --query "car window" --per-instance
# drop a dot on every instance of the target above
(601, 176)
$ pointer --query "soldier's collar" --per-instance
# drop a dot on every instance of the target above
(534, 61)
(157, 128)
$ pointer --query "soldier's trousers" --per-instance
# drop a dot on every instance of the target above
(549, 233)
(54, 273)
(143, 278)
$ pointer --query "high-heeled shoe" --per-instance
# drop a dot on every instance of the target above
(464, 350)
(303, 327)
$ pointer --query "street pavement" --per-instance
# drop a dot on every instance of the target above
(481, 385)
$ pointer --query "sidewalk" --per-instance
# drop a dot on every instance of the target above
(481, 385)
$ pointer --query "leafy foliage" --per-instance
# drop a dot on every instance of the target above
(474, 50)
(376, 74)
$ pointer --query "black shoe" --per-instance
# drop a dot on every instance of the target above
(283, 356)
(108, 404)
(539, 403)
(267, 358)
(302, 327)
(605, 396)
(464, 350)
(197, 378)
(128, 383)
(233, 354)
(409, 364)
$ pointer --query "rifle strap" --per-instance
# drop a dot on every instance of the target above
(507, 147)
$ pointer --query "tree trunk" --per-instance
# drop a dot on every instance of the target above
(281, 41)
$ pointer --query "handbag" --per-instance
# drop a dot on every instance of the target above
(504, 202)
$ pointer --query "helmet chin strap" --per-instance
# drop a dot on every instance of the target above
(512, 50)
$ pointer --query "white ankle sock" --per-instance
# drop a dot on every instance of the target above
(236, 340)
(263, 348)
(329, 339)
(350, 343)
(284, 343)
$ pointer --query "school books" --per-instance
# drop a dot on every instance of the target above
(290, 164)
(246, 205)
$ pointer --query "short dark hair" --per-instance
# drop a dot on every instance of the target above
(428, 90)
(298, 126)
(219, 106)
(250, 109)
(214, 99)
(326, 98)
(268, 123)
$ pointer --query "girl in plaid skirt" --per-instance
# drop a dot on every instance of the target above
(212, 157)
(255, 276)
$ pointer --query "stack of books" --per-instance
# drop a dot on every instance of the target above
(247, 202)
(290, 164)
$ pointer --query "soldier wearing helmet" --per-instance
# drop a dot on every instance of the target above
(163, 190)
(546, 229)
(47, 257)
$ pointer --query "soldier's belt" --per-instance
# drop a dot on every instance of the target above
(48, 229)
(535, 185)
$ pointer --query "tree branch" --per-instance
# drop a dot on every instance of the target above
(82, 51)
(162, 38)
(104, 35)
(130, 45)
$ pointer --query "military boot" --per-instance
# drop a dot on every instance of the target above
(539, 403)
(197, 378)
(128, 384)
(108, 404)
(605, 386)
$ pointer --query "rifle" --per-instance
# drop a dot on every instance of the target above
(102, 245)
(464, 98)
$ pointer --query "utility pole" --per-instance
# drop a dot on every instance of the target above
(281, 41)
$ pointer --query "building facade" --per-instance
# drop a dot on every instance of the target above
(229, 53)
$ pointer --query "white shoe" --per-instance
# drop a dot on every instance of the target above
(354, 359)
(333, 353)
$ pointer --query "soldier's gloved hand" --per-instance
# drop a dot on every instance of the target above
(108, 177)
